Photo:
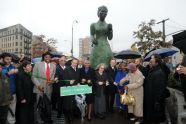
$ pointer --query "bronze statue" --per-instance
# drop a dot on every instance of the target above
(100, 31)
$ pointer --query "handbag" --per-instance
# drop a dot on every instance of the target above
(127, 99)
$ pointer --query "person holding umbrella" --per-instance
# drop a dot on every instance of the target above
(154, 92)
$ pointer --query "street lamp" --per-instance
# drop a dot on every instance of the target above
(75, 21)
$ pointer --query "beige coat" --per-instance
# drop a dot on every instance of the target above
(39, 77)
(135, 88)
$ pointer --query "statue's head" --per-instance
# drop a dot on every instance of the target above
(102, 12)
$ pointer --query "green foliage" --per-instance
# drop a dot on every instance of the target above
(51, 43)
(147, 38)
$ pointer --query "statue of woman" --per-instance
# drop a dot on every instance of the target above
(100, 31)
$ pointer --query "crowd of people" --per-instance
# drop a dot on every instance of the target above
(26, 89)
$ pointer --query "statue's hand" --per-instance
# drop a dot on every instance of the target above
(95, 42)
(110, 27)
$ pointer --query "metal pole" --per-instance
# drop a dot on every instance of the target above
(163, 22)
(163, 30)
(72, 41)
(72, 49)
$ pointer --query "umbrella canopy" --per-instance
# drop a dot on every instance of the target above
(15, 58)
(127, 54)
(179, 41)
(56, 54)
(163, 52)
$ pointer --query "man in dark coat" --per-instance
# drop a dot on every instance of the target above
(60, 69)
(72, 74)
(154, 95)
(111, 87)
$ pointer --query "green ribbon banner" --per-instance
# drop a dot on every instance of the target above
(75, 90)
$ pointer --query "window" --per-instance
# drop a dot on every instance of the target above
(12, 37)
(21, 37)
(16, 44)
(21, 30)
(16, 29)
(13, 44)
(13, 30)
(20, 50)
(20, 43)
(16, 49)
(16, 37)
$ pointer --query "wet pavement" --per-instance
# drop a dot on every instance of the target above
(110, 119)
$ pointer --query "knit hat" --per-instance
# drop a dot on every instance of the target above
(132, 66)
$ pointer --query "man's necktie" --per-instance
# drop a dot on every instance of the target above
(48, 73)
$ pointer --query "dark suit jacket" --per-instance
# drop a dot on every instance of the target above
(24, 87)
(100, 88)
(70, 74)
(90, 75)
(111, 88)
(59, 72)
(60, 75)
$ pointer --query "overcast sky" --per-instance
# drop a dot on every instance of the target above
(54, 18)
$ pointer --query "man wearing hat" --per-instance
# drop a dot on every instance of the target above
(42, 77)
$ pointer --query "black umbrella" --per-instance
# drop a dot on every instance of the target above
(179, 41)
(15, 58)
(56, 54)
(127, 54)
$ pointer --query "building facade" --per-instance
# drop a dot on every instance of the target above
(85, 47)
(16, 39)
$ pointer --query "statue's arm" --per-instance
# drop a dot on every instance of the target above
(110, 32)
(92, 34)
